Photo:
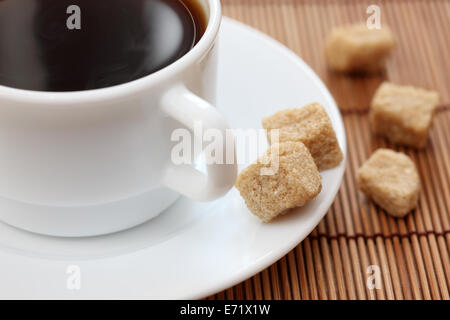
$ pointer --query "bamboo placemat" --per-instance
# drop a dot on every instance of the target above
(412, 253)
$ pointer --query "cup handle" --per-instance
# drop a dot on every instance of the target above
(187, 108)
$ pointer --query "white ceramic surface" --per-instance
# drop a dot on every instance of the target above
(192, 249)
(65, 154)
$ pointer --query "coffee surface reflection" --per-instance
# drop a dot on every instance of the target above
(117, 41)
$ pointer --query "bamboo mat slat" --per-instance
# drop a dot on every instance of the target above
(413, 252)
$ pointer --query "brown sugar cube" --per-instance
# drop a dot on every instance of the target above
(356, 48)
(293, 182)
(312, 126)
(390, 178)
(403, 114)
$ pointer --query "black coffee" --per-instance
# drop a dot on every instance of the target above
(51, 45)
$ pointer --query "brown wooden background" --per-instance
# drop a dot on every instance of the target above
(412, 253)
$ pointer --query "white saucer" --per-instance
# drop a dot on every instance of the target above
(192, 249)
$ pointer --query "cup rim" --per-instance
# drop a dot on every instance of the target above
(124, 89)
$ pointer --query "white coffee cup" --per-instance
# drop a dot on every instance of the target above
(66, 156)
